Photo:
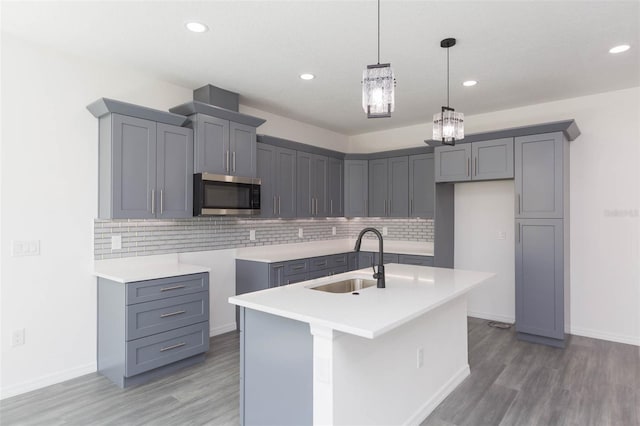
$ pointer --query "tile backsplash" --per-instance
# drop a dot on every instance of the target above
(149, 237)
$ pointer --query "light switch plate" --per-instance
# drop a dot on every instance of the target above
(385, 231)
(252, 235)
(333, 230)
(25, 248)
(502, 235)
(116, 242)
(300, 233)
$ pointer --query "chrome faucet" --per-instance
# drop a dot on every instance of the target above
(380, 274)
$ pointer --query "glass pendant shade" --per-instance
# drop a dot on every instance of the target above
(377, 90)
(448, 125)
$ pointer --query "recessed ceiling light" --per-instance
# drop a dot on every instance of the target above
(196, 27)
(469, 83)
(620, 49)
(307, 76)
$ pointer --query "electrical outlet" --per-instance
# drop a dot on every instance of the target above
(25, 248)
(116, 242)
(252, 235)
(502, 235)
(300, 233)
(17, 338)
(420, 358)
(385, 231)
(333, 230)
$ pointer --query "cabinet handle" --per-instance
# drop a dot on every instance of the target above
(311, 206)
(274, 204)
(295, 268)
(234, 161)
(518, 203)
(468, 166)
(226, 167)
(476, 172)
(518, 233)
(170, 314)
(153, 201)
(175, 287)
(279, 211)
(168, 348)
(161, 201)
(331, 202)
(410, 207)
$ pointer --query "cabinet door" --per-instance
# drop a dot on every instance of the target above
(134, 168)
(492, 159)
(538, 176)
(398, 201)
(353, 261)
(388, 258)
(365, 259)
(175, 171)
(212, 153)
(276, 274)
(335, 186)
(303, 186)
(540, 277)
(411, 259)
(242, 143)
(285, 175)
(421, 186)
(378, 187)
(267, 172)
(356, 191)
(319, 185)
(453, 163)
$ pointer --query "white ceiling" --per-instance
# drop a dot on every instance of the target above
(520, 52)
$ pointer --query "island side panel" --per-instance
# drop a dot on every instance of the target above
(378, 381)
(276, 370)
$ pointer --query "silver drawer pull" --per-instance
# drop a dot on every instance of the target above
(168, 348)
(170, 314)
(175, 287)
(298, 267)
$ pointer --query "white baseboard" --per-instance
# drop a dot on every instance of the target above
(612, 337)
(428, 407)
(491, 317)
(47, 380)
(222, 329)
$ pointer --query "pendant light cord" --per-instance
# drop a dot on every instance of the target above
(447, 77)
(378, 32)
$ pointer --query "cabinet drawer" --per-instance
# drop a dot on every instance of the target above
(146, 291)
(338, 270)
(145, 319)
(295, 267)
(164, 348)
(319, 263)
(319, 274)
(291, 279)
(409, 259)
(388, 258)
(338, 260)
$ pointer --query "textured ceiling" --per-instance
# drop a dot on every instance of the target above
(520, 52)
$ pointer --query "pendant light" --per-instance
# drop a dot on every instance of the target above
(448, 125)
(378, 86)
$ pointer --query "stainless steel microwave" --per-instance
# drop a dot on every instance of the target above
(215, 195)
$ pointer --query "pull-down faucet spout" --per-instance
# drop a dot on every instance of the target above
(380, 274)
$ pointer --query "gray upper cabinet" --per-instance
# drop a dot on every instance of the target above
(540, 176)
(276, 169)
(453, 163)
(389, 187)
(174, 171)
(224, 147)
(540, 277)
(421, 186)
(311, 185)
(145, 168)
(485, 160)
(335, 185)
(356, 188)
(492, 159)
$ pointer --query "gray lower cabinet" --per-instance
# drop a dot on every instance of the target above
(148, 329)
(389, 187)
(484, 160)
(411, 259)
(145, 169)
(422, 190)
(356, 188)
(335, 187)
(386, 258)
(223, 146)
(541, 176)
(277, 171)
(311, 185)
(365, 259)
(540, 286)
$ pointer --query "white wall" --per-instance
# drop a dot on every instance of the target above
(482, 211)
(605, 201)
(49, 147)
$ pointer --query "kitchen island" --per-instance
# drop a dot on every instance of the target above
(372, 356)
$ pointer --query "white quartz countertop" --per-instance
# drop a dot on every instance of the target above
(410, 291)
(283, 252)
(139, 269)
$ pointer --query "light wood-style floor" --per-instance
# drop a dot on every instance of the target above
(591, 382)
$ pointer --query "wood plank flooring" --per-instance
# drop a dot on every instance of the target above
(591, 382)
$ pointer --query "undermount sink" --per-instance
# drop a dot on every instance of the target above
(346, 286)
